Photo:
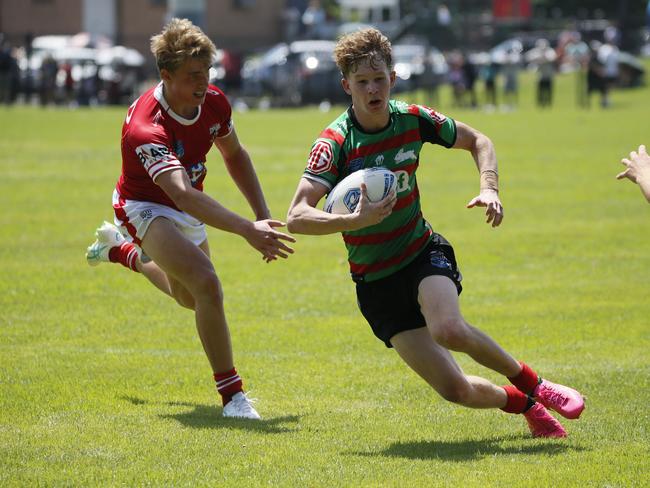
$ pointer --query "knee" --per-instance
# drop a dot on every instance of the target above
(452, 334)
(207, 284)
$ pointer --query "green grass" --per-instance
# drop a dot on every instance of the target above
(103, 381)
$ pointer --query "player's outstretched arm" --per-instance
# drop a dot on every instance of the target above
(241, 170)
(637, 169)
(304, 218)
(482, 150)
(261, 235)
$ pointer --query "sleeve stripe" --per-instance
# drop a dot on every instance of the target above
(322, 181)
(158, 169)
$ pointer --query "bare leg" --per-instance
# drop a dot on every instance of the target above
(155, 275)
(188, 265)
(438, 368)
(439, 305)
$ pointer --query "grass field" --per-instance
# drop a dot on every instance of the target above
(103, 381)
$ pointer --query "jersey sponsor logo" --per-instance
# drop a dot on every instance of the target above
(151, 154)
(146, 214)
(402, 181)
(379, 160)
(320, 157)
(196, 172)
(355, 165)
(402, 156)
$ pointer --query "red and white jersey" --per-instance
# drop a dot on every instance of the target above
(155, 139)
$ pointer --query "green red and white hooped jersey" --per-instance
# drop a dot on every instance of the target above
(155, 139)
(343, 148)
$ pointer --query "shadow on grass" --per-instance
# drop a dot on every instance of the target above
(468, 450)
(209, 417)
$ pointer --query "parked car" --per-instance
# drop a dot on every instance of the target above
(294, 74)
(417, 65)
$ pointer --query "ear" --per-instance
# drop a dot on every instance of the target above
(346, 85)
(165, 75)
(393, 78)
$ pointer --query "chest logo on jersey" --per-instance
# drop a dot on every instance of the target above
(402, 156)
(320, 157)
(379, 160)
(179, 149)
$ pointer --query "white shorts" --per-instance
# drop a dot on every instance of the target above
(133, 218)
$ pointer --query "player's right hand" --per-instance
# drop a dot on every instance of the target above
(268, 241)
(370, 213)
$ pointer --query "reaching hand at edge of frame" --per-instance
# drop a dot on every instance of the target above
(494, 209)
(268, 241)
(637, 170)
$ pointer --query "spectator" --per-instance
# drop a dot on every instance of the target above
(576, 53)
(47, 88)
(595, 74)
(608, 55)
(313, 19)
(511, 83)
(489, 74)
(544, 57)
(6, 62)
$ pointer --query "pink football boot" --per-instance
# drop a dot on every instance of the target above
(542, 423)
(564, 400)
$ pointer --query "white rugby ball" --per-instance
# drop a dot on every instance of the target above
(344, 197)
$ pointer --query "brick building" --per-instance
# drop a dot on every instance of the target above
(239, 25)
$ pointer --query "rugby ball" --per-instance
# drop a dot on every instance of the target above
(344, 197)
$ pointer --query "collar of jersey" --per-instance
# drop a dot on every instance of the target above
(158, 94)
(357, 125)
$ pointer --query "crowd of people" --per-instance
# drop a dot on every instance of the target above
(594, 65)
(27, 76)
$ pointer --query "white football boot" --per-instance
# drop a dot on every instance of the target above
(108, 237)
(240, 406)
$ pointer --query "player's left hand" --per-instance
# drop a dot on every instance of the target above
(494, 210)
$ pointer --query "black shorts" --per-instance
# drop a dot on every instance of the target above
(390, 305)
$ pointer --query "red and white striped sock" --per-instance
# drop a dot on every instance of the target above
(228, 384)
(126, 255)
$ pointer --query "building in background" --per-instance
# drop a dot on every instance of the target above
(238, 25)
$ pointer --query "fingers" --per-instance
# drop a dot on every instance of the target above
(283, 236)
(642, 150)
(494, 213)
(364, 190)
(275, 223)
(476, 201)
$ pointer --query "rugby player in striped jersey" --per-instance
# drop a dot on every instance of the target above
(406, 275)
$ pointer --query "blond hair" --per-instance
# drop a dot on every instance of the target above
(365, 45)
(180, 40)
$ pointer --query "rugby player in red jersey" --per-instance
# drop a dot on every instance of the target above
(406, 275)
(159, 204)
